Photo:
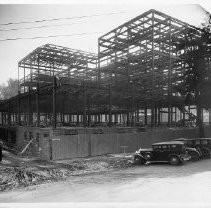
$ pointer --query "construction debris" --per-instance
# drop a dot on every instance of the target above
(17, 171)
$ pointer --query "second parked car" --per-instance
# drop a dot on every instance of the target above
(202, 145)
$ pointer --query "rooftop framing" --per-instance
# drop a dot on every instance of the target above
(143, 52)
(52, 60)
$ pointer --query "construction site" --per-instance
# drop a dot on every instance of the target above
(73, 103)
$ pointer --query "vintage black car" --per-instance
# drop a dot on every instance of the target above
(192, 151)
(173, 152)
(202, 145)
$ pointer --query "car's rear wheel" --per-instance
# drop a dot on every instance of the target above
(174, 160)
(205, 152)
(194, 156)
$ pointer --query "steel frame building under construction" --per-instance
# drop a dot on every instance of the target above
(135, 77)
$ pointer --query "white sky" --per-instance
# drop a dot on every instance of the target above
(13, 51)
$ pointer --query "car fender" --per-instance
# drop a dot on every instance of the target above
(140, 155)
(197, 152)
(179, 156)
(150, 155)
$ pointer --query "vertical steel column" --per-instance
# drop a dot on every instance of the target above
(19, 114)
(132, 105)
(153, 70)
(98, 115)
(24, 90)
(84, 105)
(54, 99)
(161, 79)
(88, 110)
(29, 108)
(106, 119)
(2, 118)
(156, 110)
(24, 79)
(38, 94)
(69, 118)
(45, 119)
(159, 115)
(128, 78)
(30, 113)
(137, 113)
(109, 107)
(145, 115)
(95, 118)
(152, 116)
(169, 80)
(99, 78)
(77, 119)
(98, 64)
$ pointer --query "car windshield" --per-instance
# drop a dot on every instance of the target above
(173, 146)
(155, 147)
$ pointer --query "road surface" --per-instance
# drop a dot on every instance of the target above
(153, 185)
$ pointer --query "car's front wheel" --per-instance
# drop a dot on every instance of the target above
(174, 160)
(148, 156)
(138, 160)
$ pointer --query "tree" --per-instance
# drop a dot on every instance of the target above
(9, 90)
(197, 78)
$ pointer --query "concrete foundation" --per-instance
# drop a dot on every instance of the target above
(64, 143)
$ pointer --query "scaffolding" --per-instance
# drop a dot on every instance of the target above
(137, 73)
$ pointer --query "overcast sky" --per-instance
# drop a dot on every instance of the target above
(13, 51)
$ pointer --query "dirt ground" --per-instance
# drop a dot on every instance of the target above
(17, 171)
(104, 181)
(154, 185)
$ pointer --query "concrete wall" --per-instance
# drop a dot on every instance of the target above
(82, 145)
(58, 144)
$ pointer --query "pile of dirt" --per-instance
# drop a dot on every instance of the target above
(120, 163)
(17, 171)
(15, 177)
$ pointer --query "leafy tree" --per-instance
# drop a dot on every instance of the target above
(9, 90)
(197, 79)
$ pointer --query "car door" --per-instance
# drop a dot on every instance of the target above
(158, 153)
(165, 152)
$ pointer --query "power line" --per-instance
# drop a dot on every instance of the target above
(56, 19)
(44, 26)
(51, 36)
